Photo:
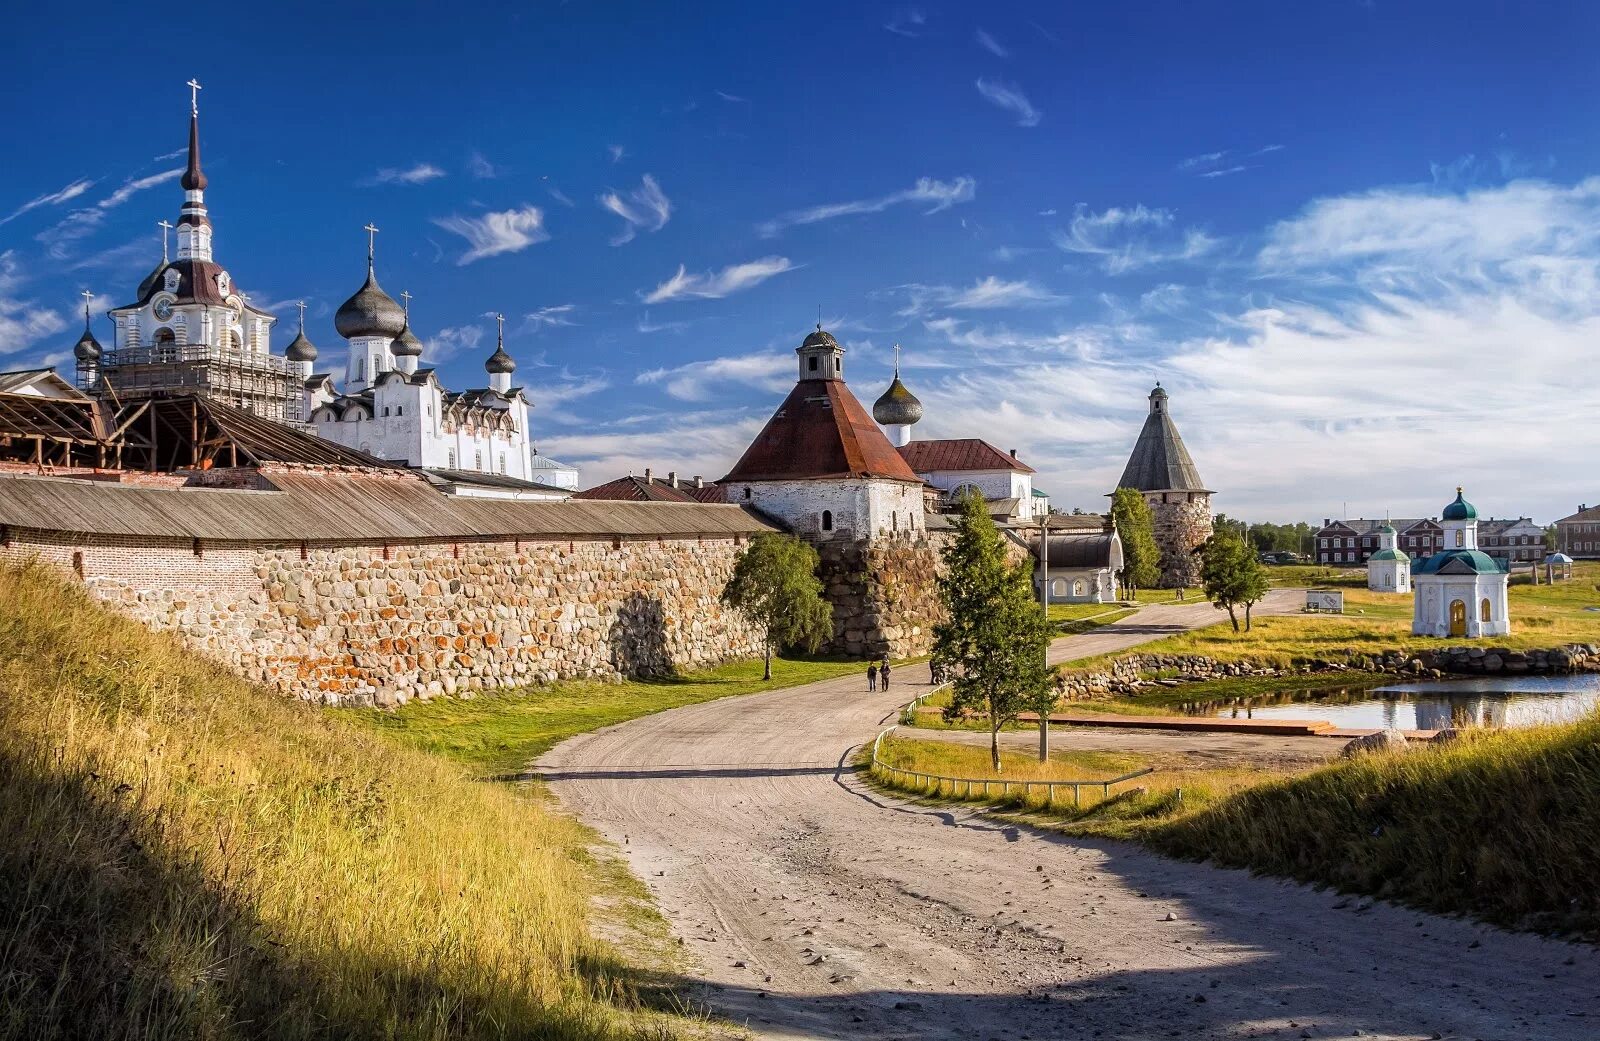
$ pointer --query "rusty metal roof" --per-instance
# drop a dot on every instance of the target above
(342, 507)
(635, 489)
(959, 453)
(820, 431)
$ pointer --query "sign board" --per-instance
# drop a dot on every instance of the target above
(1330, 600)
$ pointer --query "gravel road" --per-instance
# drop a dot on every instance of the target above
(816, 907)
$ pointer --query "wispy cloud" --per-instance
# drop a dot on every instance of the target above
(711, 285)
(79, 224)
(492, 234)
(1131, 238)
(559, 196)
(986, 293)
(644, 207)
(1010, 98)
(701, 380)
(732, 98)
(420, 173)
(22, 322)
(908, 21)
(617, 152)
(453, 340)
(990, 44)
(71, 191)
(546, 317)
(479, 166)
(647, 326)
(1225, 163)
(936, 195)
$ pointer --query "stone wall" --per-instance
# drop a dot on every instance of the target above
(1182, 525)
(884, 594)
(366, 624)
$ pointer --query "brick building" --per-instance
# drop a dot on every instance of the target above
(1578, 536)
(1353, 542)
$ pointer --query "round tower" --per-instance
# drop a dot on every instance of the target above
(1161, 470)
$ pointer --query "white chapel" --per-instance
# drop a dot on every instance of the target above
(1460, 591)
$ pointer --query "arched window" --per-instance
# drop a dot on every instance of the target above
(1461, 537)
(827, 520)
(1080, 588)
(1058, 587)
(1486, 611)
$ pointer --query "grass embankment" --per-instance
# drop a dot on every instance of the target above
(1314, 689)
(1374, 623)
(188, 856)
(500, 733)
(1131, 809)
(1500, 824)
(1072, 619)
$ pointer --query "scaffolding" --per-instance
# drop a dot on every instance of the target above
(262, 384)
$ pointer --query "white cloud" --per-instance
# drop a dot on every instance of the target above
(491, 234)
(644, 207)
(1011, 99)
(1225, 163)
(420, 173)
(617, 152)
(480, 167)
(732, 98)
(985, 293)
(696, 443)
(1126, 239)
(79, 224)
(713, 285)
(546, 317)
(706, 380)
(907, 22)
(56, 198)
(451, 341)
(938, 195)
(22, 321)
(990, 44)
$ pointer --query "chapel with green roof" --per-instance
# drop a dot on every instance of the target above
(1460, 591)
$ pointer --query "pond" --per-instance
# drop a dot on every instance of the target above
(1498, 701)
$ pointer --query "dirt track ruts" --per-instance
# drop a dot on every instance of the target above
(817, 907)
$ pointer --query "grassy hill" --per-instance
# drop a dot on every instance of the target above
(1500, 824)
(187, 856)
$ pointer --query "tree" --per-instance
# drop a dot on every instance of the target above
(1141, 560)
(995, 636)
(775, 585)
(1232, 575)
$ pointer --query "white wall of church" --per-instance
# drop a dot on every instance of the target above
(1436, 593)
(993, 484)
(853, 508)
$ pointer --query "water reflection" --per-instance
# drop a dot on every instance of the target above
(1481, 701)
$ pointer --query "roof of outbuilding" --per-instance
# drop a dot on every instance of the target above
(959, 453)
(1584, 515)
(1092, 549)
(820, 432)
(342, 507)
(635, 489)
(1458, 562)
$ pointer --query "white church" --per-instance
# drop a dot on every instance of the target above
(1460, 591)
(1389, 570)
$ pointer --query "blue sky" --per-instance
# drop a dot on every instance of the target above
(1358, 242)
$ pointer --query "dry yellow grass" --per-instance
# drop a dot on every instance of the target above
(187, 856)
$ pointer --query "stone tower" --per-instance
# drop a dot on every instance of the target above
(1180, 504)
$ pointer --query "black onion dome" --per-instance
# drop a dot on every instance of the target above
(897, 407)
(371, 312)
(301, 349)
(152, 280)
(820, 338)
(500, 361)
(406, 345)
(87, 348)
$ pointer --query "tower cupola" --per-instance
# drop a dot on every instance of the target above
(821, 357)
(897, 410)
(500, 365)
(194, 226)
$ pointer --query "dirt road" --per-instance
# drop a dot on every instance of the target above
(818, 908)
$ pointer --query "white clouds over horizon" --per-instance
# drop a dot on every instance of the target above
(56, 198)
(645, 207)
(494, 234)
(1128, 238)
(81, 223)
(712, 285)
(1011, 99)
(938, 195)
(418, 173)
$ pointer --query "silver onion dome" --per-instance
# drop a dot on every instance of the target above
(897, 407)
(371, 312)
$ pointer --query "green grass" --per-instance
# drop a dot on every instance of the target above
(500, 733)
(1078, 612)
(1089, 624)
(1501, 824)
(189, 856)
(1318, 576)
(1260, 690)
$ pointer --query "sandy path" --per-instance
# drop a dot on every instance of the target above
(818, 908)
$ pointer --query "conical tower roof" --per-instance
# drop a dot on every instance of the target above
(1160, 462)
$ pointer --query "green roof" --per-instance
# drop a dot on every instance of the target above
(1459, 562)
(1388, 554)
(1459, 510)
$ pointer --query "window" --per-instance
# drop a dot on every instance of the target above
(386, 410)
(813, 366)
(1058, 587)
(836, 365)
(450, 459)
(827, 520)
(1080, 588)
(502, 462)
(477, 460)
(747, 493)
(1461, 537)
(1485, 611)
(399, 410)
(361, 366)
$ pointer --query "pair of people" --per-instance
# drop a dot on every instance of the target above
(877, 673)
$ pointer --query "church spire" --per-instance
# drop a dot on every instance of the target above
(194, 227)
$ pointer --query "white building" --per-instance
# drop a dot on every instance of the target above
(394, 409)
(1460, 591)
(820, 465)
(1081, 566)
(1389, 570)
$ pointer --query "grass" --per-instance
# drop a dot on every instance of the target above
(1500, 824)
(1079, 612)
(1259, 690)
(1373, 623)
(189, 856)
(1316, 575)
(1132, 809)
(500, 733)
(1090, 622)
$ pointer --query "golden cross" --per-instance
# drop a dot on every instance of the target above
(194, 97)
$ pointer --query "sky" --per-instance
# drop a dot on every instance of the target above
(1358, 243)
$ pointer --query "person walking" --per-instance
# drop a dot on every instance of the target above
(883, 672)
(872, 677)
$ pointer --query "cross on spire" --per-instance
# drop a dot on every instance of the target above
(87, 297)
(165, 226)
(372, 241)
(194, 97)
(405, 294)
(302, 305)
(897, 361)
(500, 334)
